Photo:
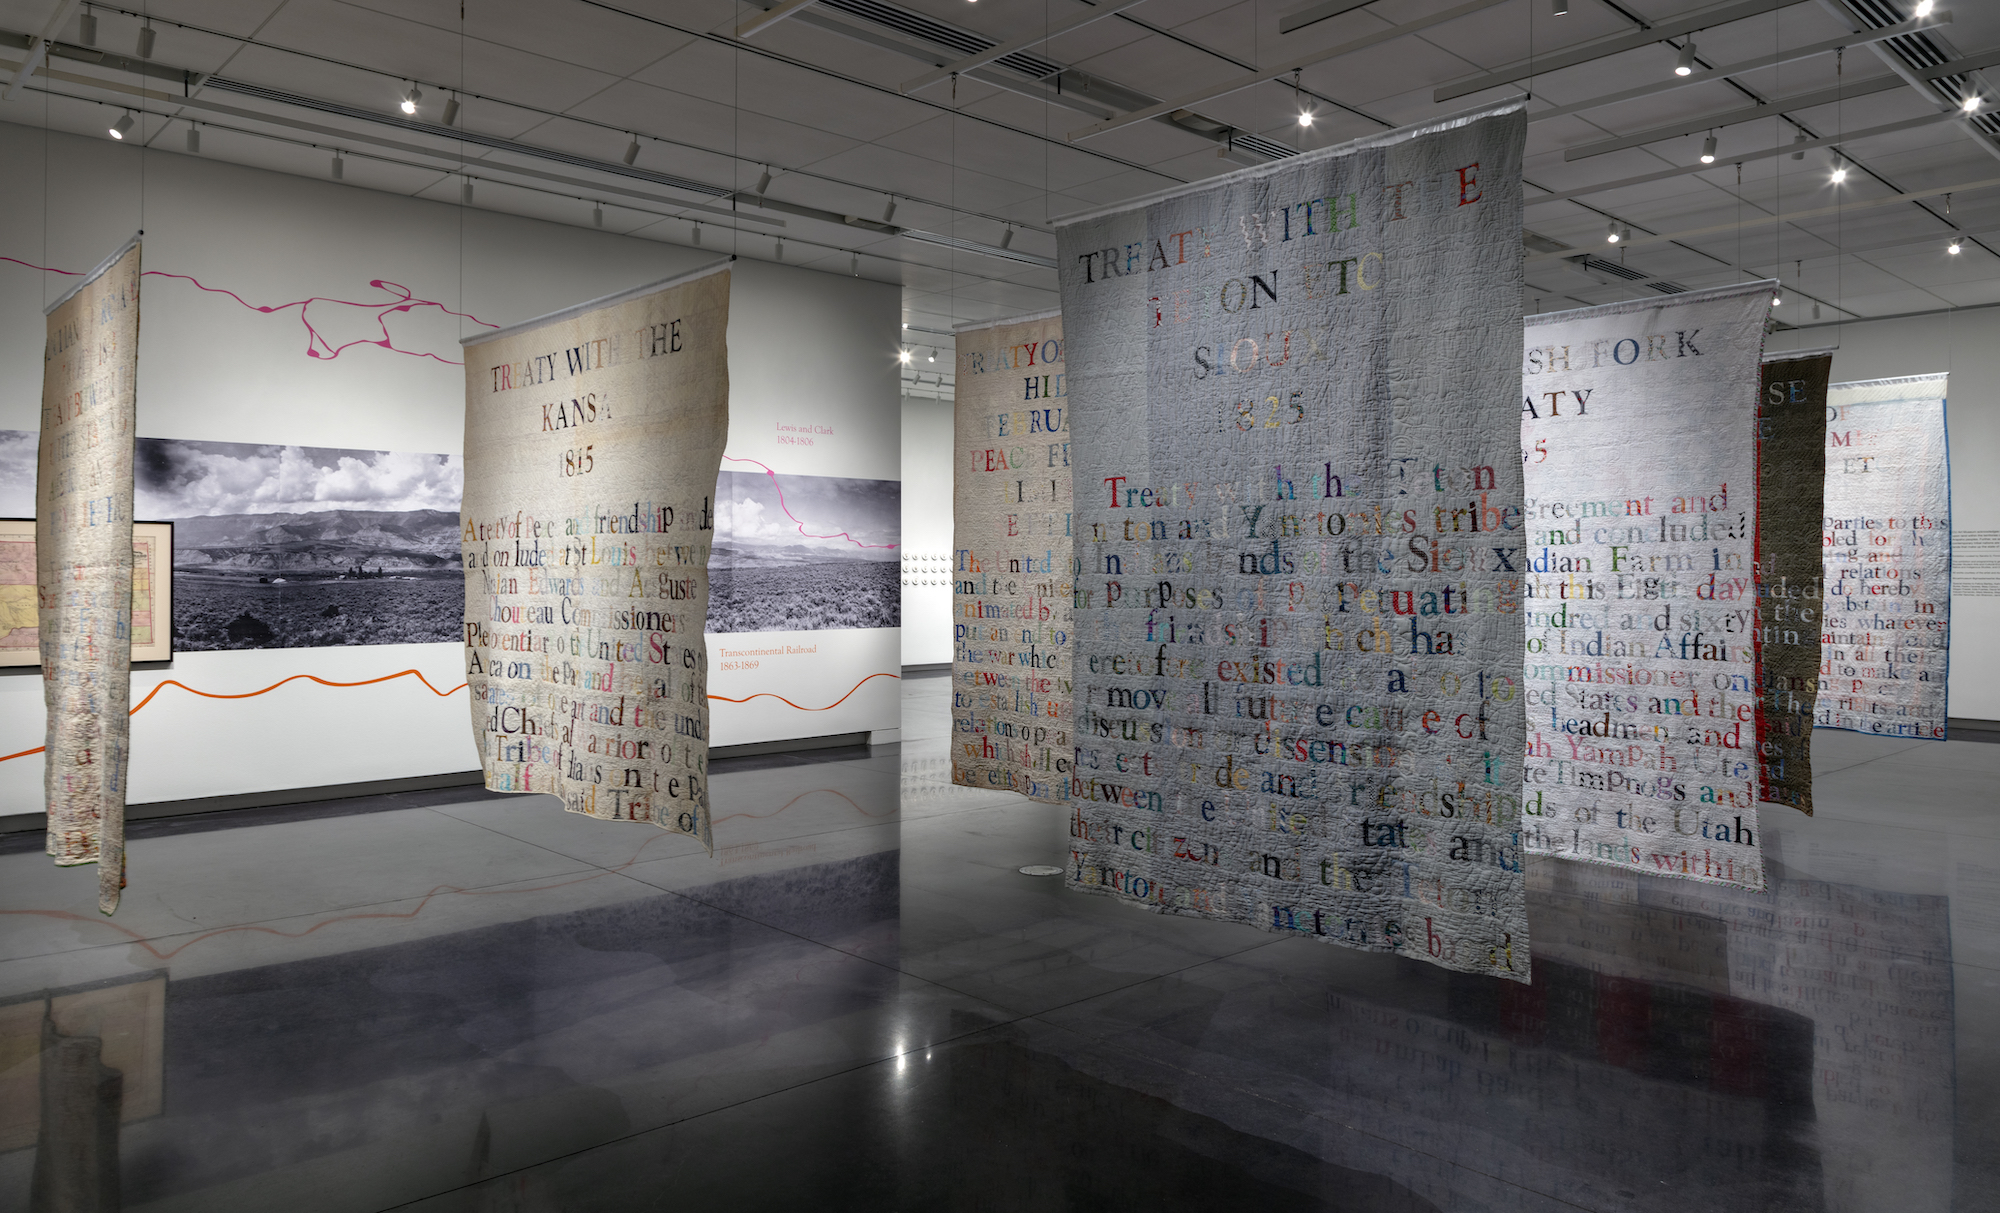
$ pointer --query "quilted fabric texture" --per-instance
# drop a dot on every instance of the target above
(1294, 396)
(83, 564)
(1888, 558)
(1791, 478)
(592, 440)
(1010, 668)
(1639, 444)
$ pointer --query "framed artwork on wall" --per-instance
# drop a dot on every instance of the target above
(152, 592)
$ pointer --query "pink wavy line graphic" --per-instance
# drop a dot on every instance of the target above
(795, 518)
(317, 345)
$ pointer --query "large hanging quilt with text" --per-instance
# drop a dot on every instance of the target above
(1298, 545)
(592, 441)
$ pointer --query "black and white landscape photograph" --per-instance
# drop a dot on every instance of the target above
(290, 547)
(804, 553)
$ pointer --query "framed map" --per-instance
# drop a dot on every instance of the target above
(152, 592)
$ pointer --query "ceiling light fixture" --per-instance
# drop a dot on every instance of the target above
(1007, 237)
(597, 215)
(1839, 170)
(339, 169)
(1559, 8)
(194, 140)
(465, 192)
(1796, 140)
(933, 357)
(1971, 104)
(1684, 66)
(1954, 247)
(1708, 150)
(853, 264)
(905, 356)
(145, 42)
(1924, 8)
(86, 29)
(763, 182)
(889, 212)
(781, 248)
(632, 150)
(411, 99)
(451, 110)
(1815, 311)
(1298, 101)
(122, 127)
(1777, 297)
(1611, 233)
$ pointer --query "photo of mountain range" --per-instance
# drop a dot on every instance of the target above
(285, 547)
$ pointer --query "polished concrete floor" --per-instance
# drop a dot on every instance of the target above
(450, 1001)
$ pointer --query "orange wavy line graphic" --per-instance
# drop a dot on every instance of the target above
(418, 675)
(172, 682)
(780, 698)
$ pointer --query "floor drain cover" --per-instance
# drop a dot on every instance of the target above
(1040, 869)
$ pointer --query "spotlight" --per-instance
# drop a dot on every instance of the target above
(194, 140)
(1559, 8)
(632, 150)
(122, 127)
(764, 182)
(1839, 170)
(889, 212)
(1007, 238)
(1684, 66)
(1796, 140)
(339, 168)
(906, 324)
(1923, 8)
(1777, 298)
(1708, 150)
(597, 215)
(1954, 247)
(1611, 233)
(697, 233)
(1305, 118)
(781, 248)
(1625, 234)
(905, 357)
(411, 99)
(451, 111)
(853, 264)
(933, 357)
(145, 42)
(1815, 311)
(86, 29)
(465, 193)
(1970, 105)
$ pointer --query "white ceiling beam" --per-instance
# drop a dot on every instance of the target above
(1746, 66)
(335, 137)
(1001, 51)
(40, 50)
(1237, 84)
(770, 17)
(1748, 113)
(1616, 44)
(1766, 153)
(1765, 219)
(1318, 13)
(1777, 105)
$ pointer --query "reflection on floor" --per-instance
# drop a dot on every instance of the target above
(463, 1002)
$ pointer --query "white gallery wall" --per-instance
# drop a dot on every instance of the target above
(927, 471)
(805, 348)
(1967, 345)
